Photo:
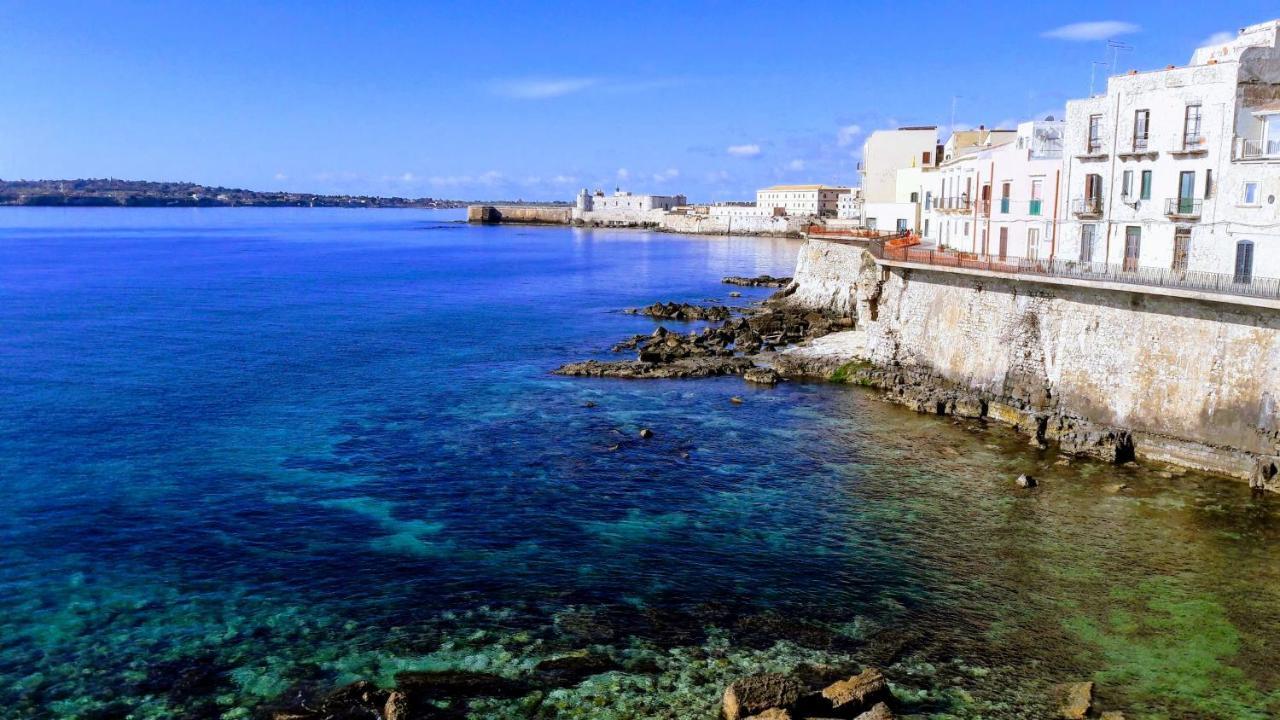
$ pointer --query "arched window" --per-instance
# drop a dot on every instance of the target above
(1244, 262)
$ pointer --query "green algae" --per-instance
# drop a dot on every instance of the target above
(1170, 649)
(851, 372)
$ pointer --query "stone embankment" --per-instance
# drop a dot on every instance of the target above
(1111, 374)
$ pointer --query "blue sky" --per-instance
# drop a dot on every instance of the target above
(536, 99)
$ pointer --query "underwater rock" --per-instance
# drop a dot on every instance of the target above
(849, 697)
(692, 368)
(772, 714)
(758, 281)
(1026, 481)
(757, 693)
(588, 625)
(186, 679)
(762, 376)
(360, 699)
(763, 630)
(1075, 700)
(449, 684)
(573, 668)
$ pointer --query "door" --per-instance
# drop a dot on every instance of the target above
(1132, 248)
(1004, 242)
(1244, 262)
(1181, 249)
(1186, 192)
(1086, 243)
(1033, 243)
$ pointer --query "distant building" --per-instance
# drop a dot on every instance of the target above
(624, 200)
(801, 200)
(849, 205)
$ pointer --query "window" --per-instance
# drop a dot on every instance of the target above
(1250, 196)
(1004, 242)
(1126, 184)
(1146, 185)
(1181, 249)
(1095, 134)
(924, 158)
(915, 197)
(1208, 184)
(1141, 129)
(1191, 138)
(1004, 198)
(1087, 235)
(1033, 243)
(1132, 247)
(1037, 187)
(926, 227)
(871, 223)
(1244, 262)
(966, 229)
(902, 225)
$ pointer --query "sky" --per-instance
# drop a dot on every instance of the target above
(535, 100)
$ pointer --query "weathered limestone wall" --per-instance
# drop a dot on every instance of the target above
(559, 215)
(721, 225)
(1193, 382)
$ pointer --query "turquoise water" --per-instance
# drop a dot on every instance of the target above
(249, 455)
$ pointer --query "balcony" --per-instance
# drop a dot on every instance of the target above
(984, 208)
(1246, 149)
(1182, 208)
(1193, 145)
(1141, 149)
(1087, 207)
(1093, 151)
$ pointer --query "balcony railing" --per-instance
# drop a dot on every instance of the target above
(1192, 142)
(1130, 274)
(1087, 206)
(1182, 207)
(1094, 146)
(1140, 144)
(1247, 149)
(984, 208)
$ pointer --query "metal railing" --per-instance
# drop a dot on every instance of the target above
(1192, 141)
(1246, 149)
(984, 208)
(1244, 285)
(1087, 206)
(1182, 207)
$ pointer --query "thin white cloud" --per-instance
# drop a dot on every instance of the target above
(665, 175)
(541, 88)
(1096, 30)
(564, 180)
(623, 174)
(1219, 38)
(795, 165)
(743, 150)
(281, 176)
(846, 135)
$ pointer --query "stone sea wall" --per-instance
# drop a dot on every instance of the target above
(1103, 372)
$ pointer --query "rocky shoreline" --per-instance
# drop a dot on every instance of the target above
(732, 347)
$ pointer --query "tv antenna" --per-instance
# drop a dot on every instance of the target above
(1093, 72)
(952, 127)
(1116, 47)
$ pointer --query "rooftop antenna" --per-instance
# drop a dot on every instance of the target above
(1093, 72)
(952, 126)
(1116, 48)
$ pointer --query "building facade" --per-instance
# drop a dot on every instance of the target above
(1179, 169)
(801, 200)
(885, 152)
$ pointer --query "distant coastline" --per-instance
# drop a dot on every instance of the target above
(140, 193)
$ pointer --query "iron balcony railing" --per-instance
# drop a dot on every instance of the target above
(1094, 146)
(1244, 285)
(1247, 149)
(1182, 207)
(1087, 206)
(1193, 141)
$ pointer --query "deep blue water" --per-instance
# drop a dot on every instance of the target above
(293, 448)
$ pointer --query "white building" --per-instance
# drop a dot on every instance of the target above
(1001, 199)
(801, 200)
(1179, 169)
(885, 152)
(625, 200)
(849, 205)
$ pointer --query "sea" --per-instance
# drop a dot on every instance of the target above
(248, 456)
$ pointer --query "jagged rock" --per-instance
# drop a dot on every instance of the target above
(293, 715)
(762, 376)
(735, 400)
(646, 433)
(1075, 700)
(360, 699)
(1026, 481)
(758, 281)
(757, 693)
(878, 712)
(682, 311)
(397, 707)
(735, 294)
(447, 684)
(575, 667)
(690, 368)
(847, 698)
(1117, 487)
(1113, 715)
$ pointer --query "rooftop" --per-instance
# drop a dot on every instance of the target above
(801, 188)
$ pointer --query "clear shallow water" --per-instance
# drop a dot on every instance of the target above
(250, 454)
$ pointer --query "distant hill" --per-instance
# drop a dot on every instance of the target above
(137, 193)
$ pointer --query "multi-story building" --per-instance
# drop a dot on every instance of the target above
(953, 195)
(1179, 168)
(885, 152)
(849, 205)
(623, 200)
(801, 200)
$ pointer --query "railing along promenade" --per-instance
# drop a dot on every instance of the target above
(904, 247)
(1195, 280)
